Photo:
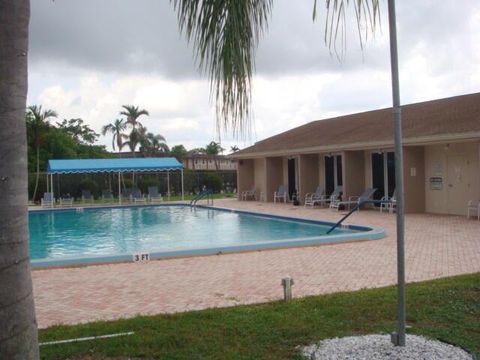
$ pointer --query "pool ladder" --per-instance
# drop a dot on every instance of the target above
(207, 194)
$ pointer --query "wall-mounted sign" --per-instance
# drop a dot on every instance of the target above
(436, 183)
(437, 169)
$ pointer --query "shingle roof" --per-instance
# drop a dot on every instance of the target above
(422, 122)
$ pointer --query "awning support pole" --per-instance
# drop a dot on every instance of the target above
(48, 186)
(168, 185)
(119, 189)
(51, 186)
(183, 193)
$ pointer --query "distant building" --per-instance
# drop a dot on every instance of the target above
(209, 162)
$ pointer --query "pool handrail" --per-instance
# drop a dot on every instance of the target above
(204, 194)
(355, 208)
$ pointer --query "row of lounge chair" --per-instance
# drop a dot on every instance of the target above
(334, 200)
(129, 195)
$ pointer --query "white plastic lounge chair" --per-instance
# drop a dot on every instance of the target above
(137, 196)
(87, 196)
(281, 193)
(48, 200)
(66, 201)
(249, 194)
(328, 199)
(107, 195)
(153, 194)
(473, 206)
(389, 203)
(314, 198)
(127, 195)
(354, 200)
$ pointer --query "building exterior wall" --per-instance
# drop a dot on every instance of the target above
(414, 178)
(245, 175)
(452, 177)
(308, 175)
(353, 173)
(274, 176)
(321, 170)
(260, 177)
(438, 178)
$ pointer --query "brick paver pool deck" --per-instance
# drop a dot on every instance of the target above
(436, 246)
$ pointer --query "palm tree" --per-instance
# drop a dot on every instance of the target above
(133, 113)
(18, 332)
(157, 143)
(38, 122)
(234, 148)
(225, 35)
(133, 141)
(116, 129)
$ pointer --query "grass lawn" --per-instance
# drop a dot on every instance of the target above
(446, 309)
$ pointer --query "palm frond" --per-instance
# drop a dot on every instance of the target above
(225, 35)
(367, 16)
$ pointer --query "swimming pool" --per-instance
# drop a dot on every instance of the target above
(96, 235)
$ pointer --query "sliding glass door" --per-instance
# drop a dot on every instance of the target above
(383, 174)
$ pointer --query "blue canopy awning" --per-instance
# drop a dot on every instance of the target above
(112, 165)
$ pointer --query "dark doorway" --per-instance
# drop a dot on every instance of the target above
(292, 178)
(391, 173)
(329, 175)
(338, 159)
(378, 175)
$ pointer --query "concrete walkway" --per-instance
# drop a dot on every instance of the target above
(436, 246)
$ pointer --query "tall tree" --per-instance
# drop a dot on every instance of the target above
(18, 330)
(133, 141)
(133, 113)
(79, 130)
(38, 122)
(179, 152)
(214, 148)
(154, 144)
(116, 129)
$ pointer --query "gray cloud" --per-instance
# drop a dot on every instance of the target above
(142, 36)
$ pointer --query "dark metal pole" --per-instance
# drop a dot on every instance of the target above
(399, 338)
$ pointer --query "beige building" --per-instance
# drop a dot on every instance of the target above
(441, 156)
(209, 162)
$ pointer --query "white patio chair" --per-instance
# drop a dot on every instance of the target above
(138, 197)
(87, 197)
(48, 200)
(154, 195)
(354, 200)
(245, 195)
(473, 206)
(332, 198)
(280, 194)
(389, 203)
(313, 198)
(66, 201)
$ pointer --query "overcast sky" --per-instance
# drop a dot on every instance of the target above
(89, 57)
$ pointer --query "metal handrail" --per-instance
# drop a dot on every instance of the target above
(360, 204)
(207, 193)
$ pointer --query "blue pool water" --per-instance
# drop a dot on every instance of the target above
(157, 229)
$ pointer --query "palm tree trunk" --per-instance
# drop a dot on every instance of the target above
(37, 175)
(18, 330)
